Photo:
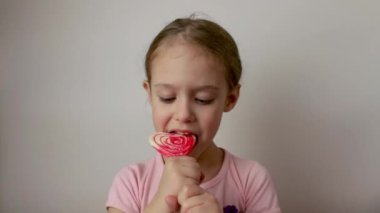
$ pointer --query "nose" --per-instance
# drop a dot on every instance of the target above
(184, 112)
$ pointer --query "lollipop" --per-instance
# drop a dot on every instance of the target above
(171, 144)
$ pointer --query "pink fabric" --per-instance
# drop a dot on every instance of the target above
(240, 186)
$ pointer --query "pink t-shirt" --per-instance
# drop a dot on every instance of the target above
(240, 186)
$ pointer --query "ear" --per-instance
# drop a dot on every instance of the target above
(146, 86)
(232, 98)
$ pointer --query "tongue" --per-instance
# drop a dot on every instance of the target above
(171, 144)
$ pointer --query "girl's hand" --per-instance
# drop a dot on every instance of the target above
(193, 199)
(178, 172)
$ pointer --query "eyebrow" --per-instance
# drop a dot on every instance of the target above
(205, 87)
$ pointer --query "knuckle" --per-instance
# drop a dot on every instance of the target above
(169, 162)
(187, 187)
(209, 197)
(189, 181)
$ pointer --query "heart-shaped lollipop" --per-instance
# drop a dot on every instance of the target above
(171, 144)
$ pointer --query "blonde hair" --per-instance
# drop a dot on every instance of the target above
(208, 35)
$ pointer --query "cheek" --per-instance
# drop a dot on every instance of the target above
(160, 117)
(211, 119)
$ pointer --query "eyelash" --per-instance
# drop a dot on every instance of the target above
(204, 102)
(200, 101)
(166, 100)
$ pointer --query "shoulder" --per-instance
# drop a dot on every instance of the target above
(127, 189)
(245, 167)
(256, 184)
(250, 175)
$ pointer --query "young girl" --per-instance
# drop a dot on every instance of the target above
(193, 70)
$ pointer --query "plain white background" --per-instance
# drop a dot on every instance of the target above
(73, 111)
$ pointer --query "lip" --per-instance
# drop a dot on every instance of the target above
(183, 132)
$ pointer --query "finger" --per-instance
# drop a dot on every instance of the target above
(179, 159)
(191, 172)
(180, 162)
(187, 191)
(185, 167)
(189, 162)
(199, 202)
(191, 203)
(172, 203)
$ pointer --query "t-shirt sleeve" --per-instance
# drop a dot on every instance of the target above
(123, 194)
(260, 192)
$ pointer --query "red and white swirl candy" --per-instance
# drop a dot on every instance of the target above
(171, 144)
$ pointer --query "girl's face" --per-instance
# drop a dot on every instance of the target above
(188, 92)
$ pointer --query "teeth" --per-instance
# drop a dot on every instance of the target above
(185, 133)
(180, 133)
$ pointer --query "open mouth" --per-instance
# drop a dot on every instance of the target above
(184, 133)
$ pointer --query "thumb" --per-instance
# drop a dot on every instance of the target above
(172, 203)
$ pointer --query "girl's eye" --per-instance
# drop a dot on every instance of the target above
(203, 101)
(166, 100)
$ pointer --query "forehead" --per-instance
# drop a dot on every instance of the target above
(177, 45)
(179, 58)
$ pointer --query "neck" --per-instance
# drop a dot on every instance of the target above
(211, 160)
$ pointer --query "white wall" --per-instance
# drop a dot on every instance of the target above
(73, 112)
